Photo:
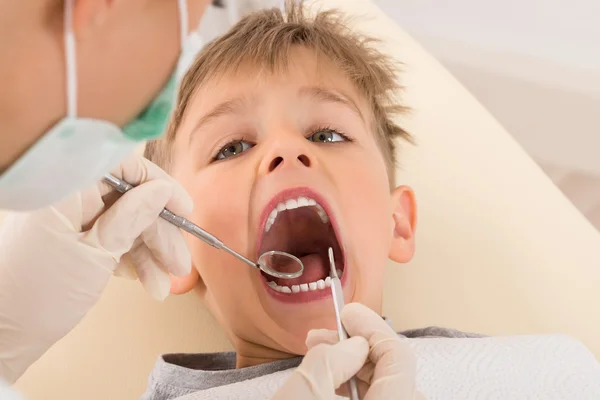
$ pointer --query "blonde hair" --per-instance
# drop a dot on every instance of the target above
(265, 38)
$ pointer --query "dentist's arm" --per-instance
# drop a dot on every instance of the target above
(55, 262)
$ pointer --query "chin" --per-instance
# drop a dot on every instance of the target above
(292, 339)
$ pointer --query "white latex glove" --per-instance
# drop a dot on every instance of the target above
(55, 262)
(6, 393)
(325, 368)
(390, 371)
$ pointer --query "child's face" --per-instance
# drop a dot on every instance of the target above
(251, 141)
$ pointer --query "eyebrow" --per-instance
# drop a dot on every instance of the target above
(227, 107)
(331, 96)
(235, 105)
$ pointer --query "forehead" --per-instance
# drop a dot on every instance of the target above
(304, 68)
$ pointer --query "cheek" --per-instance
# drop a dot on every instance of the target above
(365, 200)
(220, 207)
(221, 203)
(102, 71)
(366, 192)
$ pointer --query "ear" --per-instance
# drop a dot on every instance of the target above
(89, 14)
(184, 284)
(404, 219)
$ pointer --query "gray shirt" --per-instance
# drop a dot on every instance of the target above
(176, 375)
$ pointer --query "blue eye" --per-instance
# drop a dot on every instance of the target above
(232, 149)
(326, 135)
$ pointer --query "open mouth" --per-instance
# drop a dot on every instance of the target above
(301, 226)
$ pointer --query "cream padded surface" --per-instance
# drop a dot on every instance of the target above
(500, 249)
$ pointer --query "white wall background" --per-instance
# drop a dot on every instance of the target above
(535, 64)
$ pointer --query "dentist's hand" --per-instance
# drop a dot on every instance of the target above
(55, 262)
(390, 371)
(325, 368)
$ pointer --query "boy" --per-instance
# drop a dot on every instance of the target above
(283, 129)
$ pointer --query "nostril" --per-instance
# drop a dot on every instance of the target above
(304, 160)
(279, 161)
(275, 163)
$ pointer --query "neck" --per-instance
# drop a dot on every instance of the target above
(251, 354)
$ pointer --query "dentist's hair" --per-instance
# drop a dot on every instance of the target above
(265, 39)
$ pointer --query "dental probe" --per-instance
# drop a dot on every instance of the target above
(338, 304)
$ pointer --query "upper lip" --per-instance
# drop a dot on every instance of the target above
(293, 193)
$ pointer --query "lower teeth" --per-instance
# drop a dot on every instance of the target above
(305, 287)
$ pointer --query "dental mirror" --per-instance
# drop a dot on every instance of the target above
(280, 265)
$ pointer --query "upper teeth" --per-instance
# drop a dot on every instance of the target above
(291, 204)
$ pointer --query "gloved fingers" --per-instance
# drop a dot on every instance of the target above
(121, 224)
(125, 269)
(326, 336)
(321, 336)
(153, 276)
(151, 273)
(363, 380)
(323, 370)
(399, 381)
(168, 247)
(316, 337)
(137, 170)
(394, 372)
(359, 320)
(366, 372)
(363, 388)
(397, 354)
(326, 367)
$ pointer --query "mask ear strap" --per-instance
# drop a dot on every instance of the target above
(183, 21)
(70, 60)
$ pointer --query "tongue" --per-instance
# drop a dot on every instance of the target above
(314, 269)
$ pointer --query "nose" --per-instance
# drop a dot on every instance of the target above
(288, 152)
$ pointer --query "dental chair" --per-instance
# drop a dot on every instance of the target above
(500, 251)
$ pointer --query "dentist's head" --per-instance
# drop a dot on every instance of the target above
(83, 81)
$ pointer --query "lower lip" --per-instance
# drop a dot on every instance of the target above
(303, 297)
